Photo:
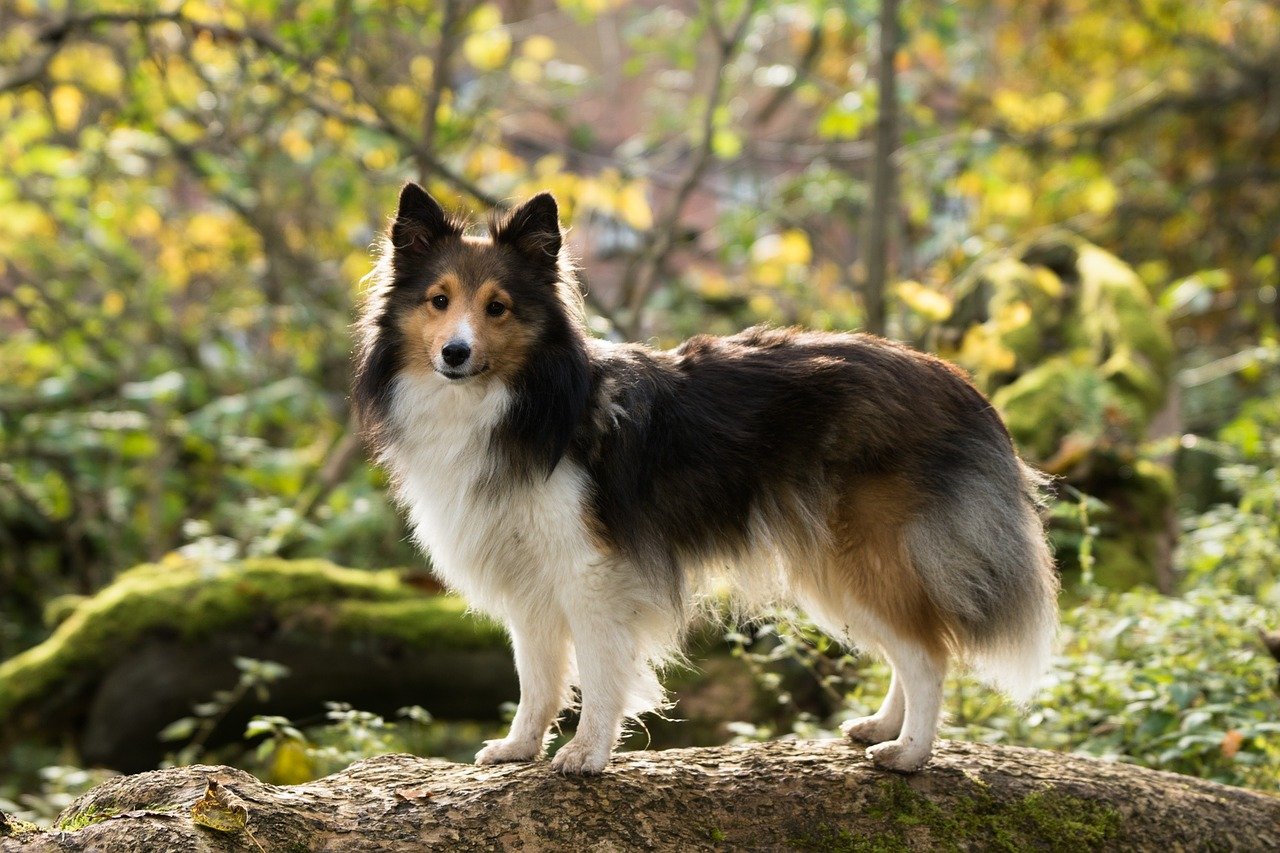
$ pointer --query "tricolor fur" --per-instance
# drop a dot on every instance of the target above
(584, 493)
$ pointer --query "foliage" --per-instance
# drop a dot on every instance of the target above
(291, 754)
(58, 786)
(1234, 546)
(256, 676)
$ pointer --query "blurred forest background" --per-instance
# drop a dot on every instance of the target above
(1076, 200)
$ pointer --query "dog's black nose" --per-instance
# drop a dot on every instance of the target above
(455, 353)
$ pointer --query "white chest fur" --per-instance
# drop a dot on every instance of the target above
(502, 543)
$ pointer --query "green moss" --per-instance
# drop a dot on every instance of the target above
(88, 817)
(899, 818)
(11, 826)
(444, 623)
(192, 599)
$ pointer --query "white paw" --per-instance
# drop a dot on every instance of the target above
(502, 751)
(870, 729)
(578, 757)
(904, 756)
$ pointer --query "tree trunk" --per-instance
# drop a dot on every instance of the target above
(780, 795)
(883, 207)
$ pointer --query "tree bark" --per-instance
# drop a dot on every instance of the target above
(883, 206)
(779, 795)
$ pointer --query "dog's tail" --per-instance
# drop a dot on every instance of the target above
(984, 558)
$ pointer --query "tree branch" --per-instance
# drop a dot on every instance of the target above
(782, 795)
(642, 273)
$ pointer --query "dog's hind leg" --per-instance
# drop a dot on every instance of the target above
(919, 672)
(883, 725)
(541, 646)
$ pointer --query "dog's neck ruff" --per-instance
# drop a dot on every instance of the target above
(441, 431)
(488, 534)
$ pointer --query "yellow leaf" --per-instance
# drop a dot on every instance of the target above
(983, 350)
(633, 207)
(926, 302)
(378, 158)
(66, 101)
(486, 17)
(538, 48)
(113, 304)
(795, 248)
(1100, 196)
(90, 65)
(488, 49)
(1013, 201)
(214, 811)
(1013, 316)
(725, 144)
(421, 70)
(209, 230)
(335, 129)
(762, 305)
(146, 222)
(524, 70)
(712, 284)
(297, 146)
(341, 91)
(291, 765)
(1046, 280)
(404, 101)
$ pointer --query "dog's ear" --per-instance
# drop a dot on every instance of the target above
(420, 220)
(533, 229)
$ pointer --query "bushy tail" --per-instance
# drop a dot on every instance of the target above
(989, 569)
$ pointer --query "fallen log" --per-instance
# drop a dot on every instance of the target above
(816, 795)
(169, 633)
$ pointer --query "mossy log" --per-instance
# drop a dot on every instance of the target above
(169, 633)
(791, 795)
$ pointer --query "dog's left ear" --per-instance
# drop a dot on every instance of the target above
(533, 228)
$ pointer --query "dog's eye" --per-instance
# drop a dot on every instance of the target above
(495, 309)
(440, 302)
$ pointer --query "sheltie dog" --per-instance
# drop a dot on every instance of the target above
(585, 493)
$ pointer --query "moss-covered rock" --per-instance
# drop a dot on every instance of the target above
(190, 600)
(125, 663)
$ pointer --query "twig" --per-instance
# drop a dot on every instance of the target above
(642, 273)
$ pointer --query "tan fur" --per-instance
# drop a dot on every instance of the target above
(500, 344)
(870, 560)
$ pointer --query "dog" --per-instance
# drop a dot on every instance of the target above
(585, 493)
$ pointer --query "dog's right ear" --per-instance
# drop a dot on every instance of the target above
(420, 221)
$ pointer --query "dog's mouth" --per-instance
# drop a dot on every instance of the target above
(458, 375)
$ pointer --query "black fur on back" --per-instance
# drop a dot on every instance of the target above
(686, 444)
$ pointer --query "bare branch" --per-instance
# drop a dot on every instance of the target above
(643, 271)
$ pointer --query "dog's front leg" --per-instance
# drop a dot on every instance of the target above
(608, 669)
(541, 646)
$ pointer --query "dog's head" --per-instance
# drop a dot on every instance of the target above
(470, 308)
(453, 308)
